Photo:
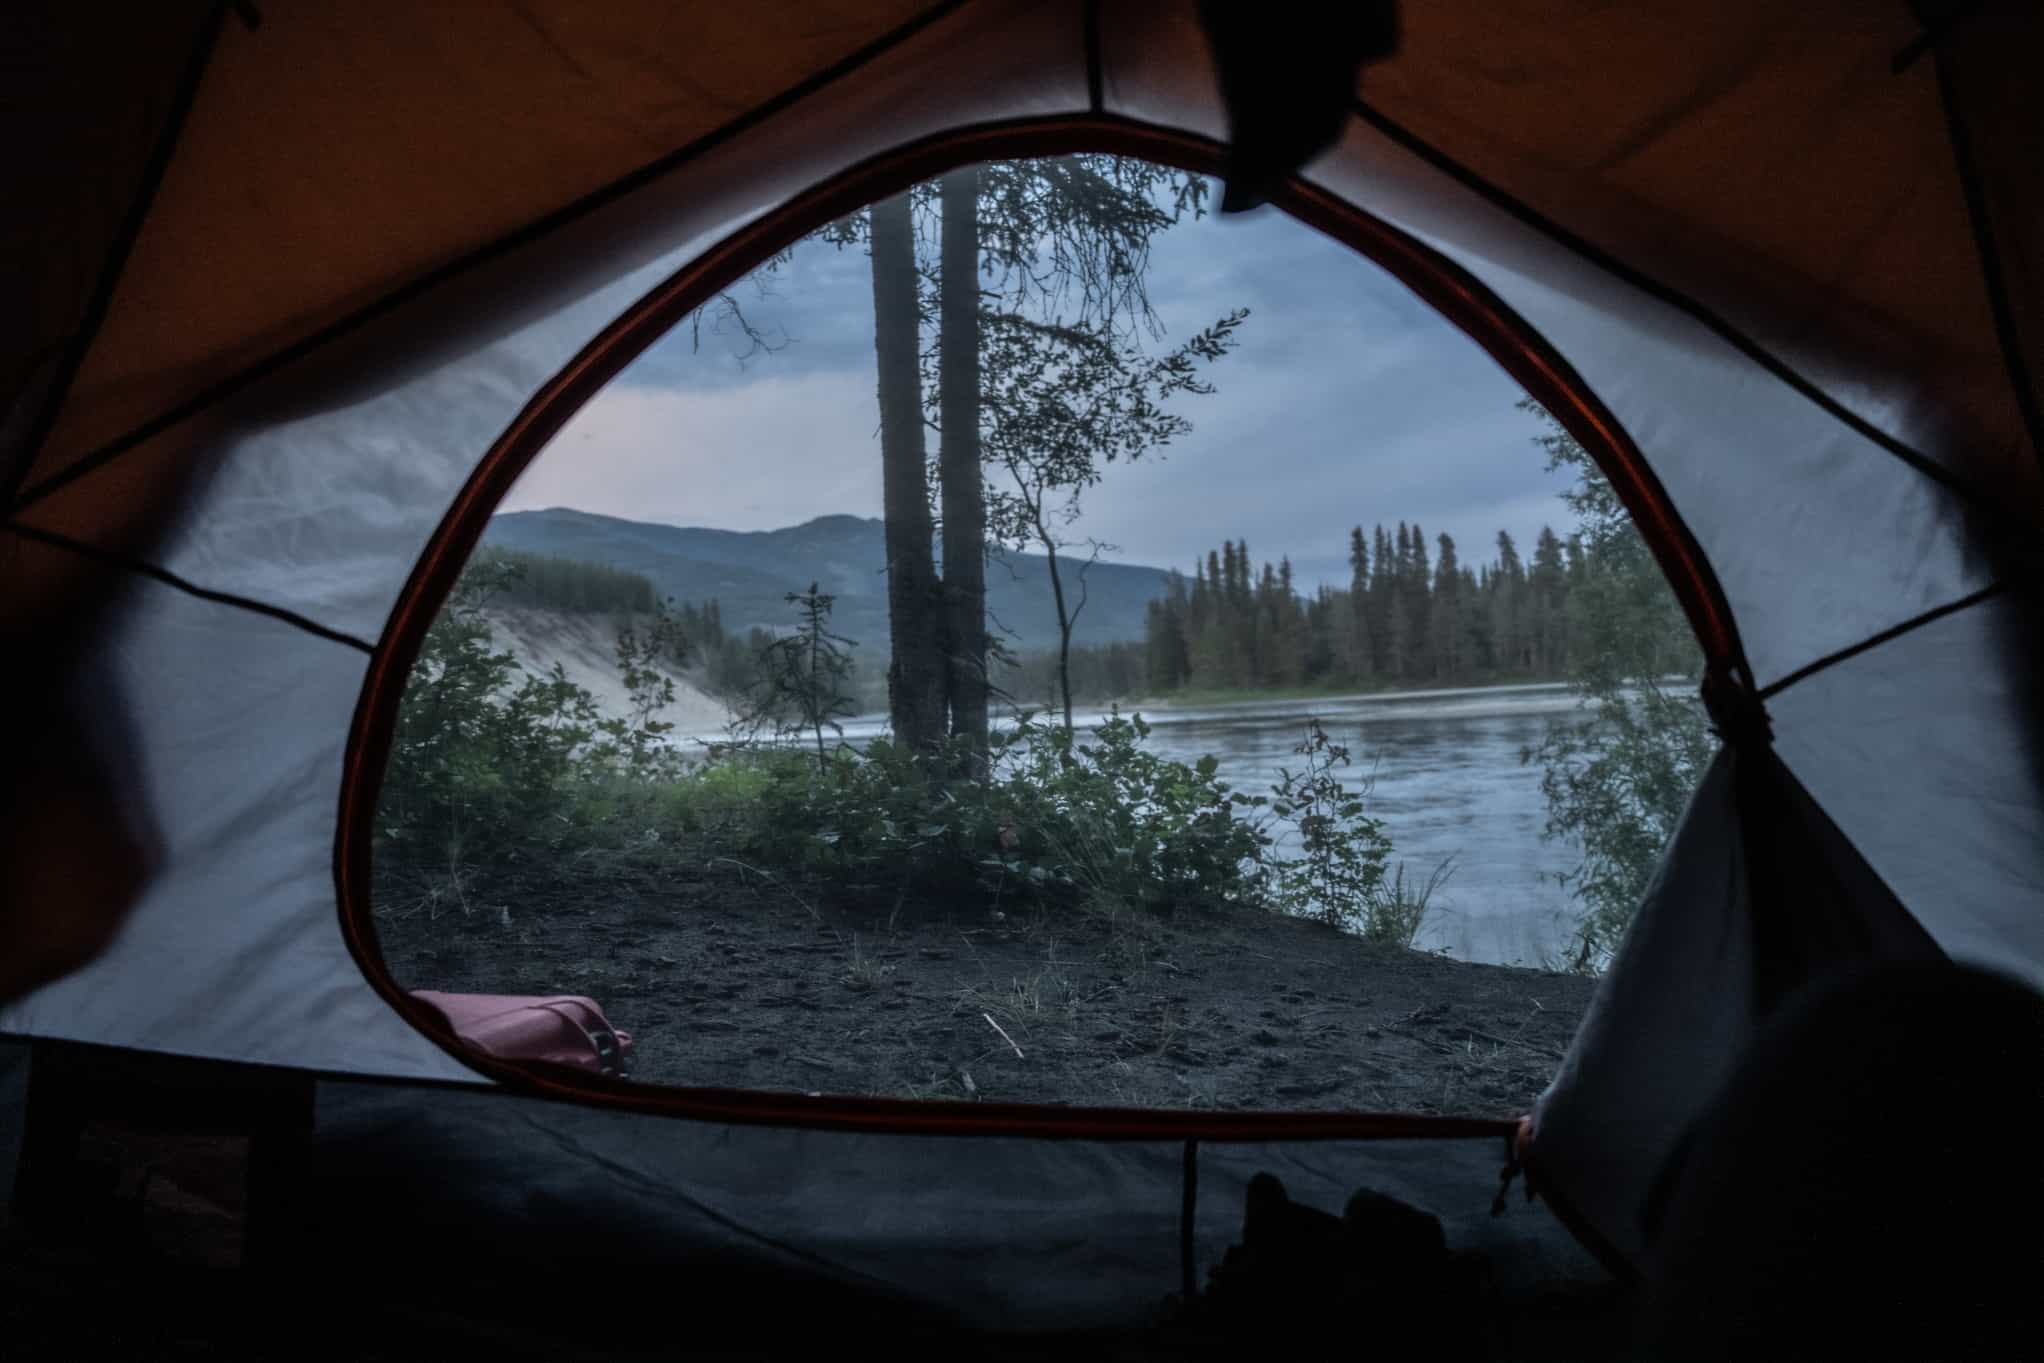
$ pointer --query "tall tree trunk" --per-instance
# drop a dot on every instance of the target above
(964, 492)
(915, 672)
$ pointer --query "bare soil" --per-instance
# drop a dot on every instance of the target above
(729, 977)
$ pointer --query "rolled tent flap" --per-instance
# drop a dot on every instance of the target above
(1759, 893)
(1663, 1030)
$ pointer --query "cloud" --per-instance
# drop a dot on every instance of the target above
(776, 451)
(1348, 401)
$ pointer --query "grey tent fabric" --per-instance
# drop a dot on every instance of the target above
(1925, 750)
(1759, 894)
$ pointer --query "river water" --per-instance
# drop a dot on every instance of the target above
(1442, 770)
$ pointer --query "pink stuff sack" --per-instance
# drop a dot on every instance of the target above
(563, 1030)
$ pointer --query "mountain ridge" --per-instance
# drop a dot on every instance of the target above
(749, 573)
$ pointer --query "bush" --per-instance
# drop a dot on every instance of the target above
(1113, 820)
(1616, 782)
(485, 751)
(1618, 774)
(1338, 876)
(1061, 819)
(482, 748)
(1053, 819)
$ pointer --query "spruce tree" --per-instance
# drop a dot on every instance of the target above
(1475, 628)
(1548, 583)
(1446, 618)
(1418, 600)
(1509, 634)
(1382, 661)
(1355, 628)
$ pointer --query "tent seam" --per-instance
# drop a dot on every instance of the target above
(1096, 95)
(143, 568)
(1667, 294)
(1991, 277)
(115, 265)
(1932, 34)
(533, 231)
(1874, 641)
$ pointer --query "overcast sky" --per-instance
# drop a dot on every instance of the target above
(1347, 401)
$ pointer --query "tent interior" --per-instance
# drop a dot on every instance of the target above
(309, 294)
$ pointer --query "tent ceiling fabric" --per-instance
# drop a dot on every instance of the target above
(83, 97)
(1764, 159)
(337, 152)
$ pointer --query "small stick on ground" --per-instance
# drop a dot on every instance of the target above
(786, 888)
(1004, 1034)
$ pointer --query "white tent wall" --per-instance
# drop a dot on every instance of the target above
(1924, 751)
(236, 951)
(319, 499)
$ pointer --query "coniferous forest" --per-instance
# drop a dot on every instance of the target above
(1411, 615)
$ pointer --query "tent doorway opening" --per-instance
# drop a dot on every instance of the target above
(1032, 641)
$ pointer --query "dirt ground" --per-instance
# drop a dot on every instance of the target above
(728, 977)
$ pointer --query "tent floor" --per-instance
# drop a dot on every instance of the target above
(70, 1307)
(361, 1222)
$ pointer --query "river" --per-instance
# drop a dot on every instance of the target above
(1443, 774)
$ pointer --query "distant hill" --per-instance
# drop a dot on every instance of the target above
(749, 572)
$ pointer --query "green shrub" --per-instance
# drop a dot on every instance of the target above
(486, 752)
(1052, 819)
(482, 748)
(1338, 875)
(1109, 818)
